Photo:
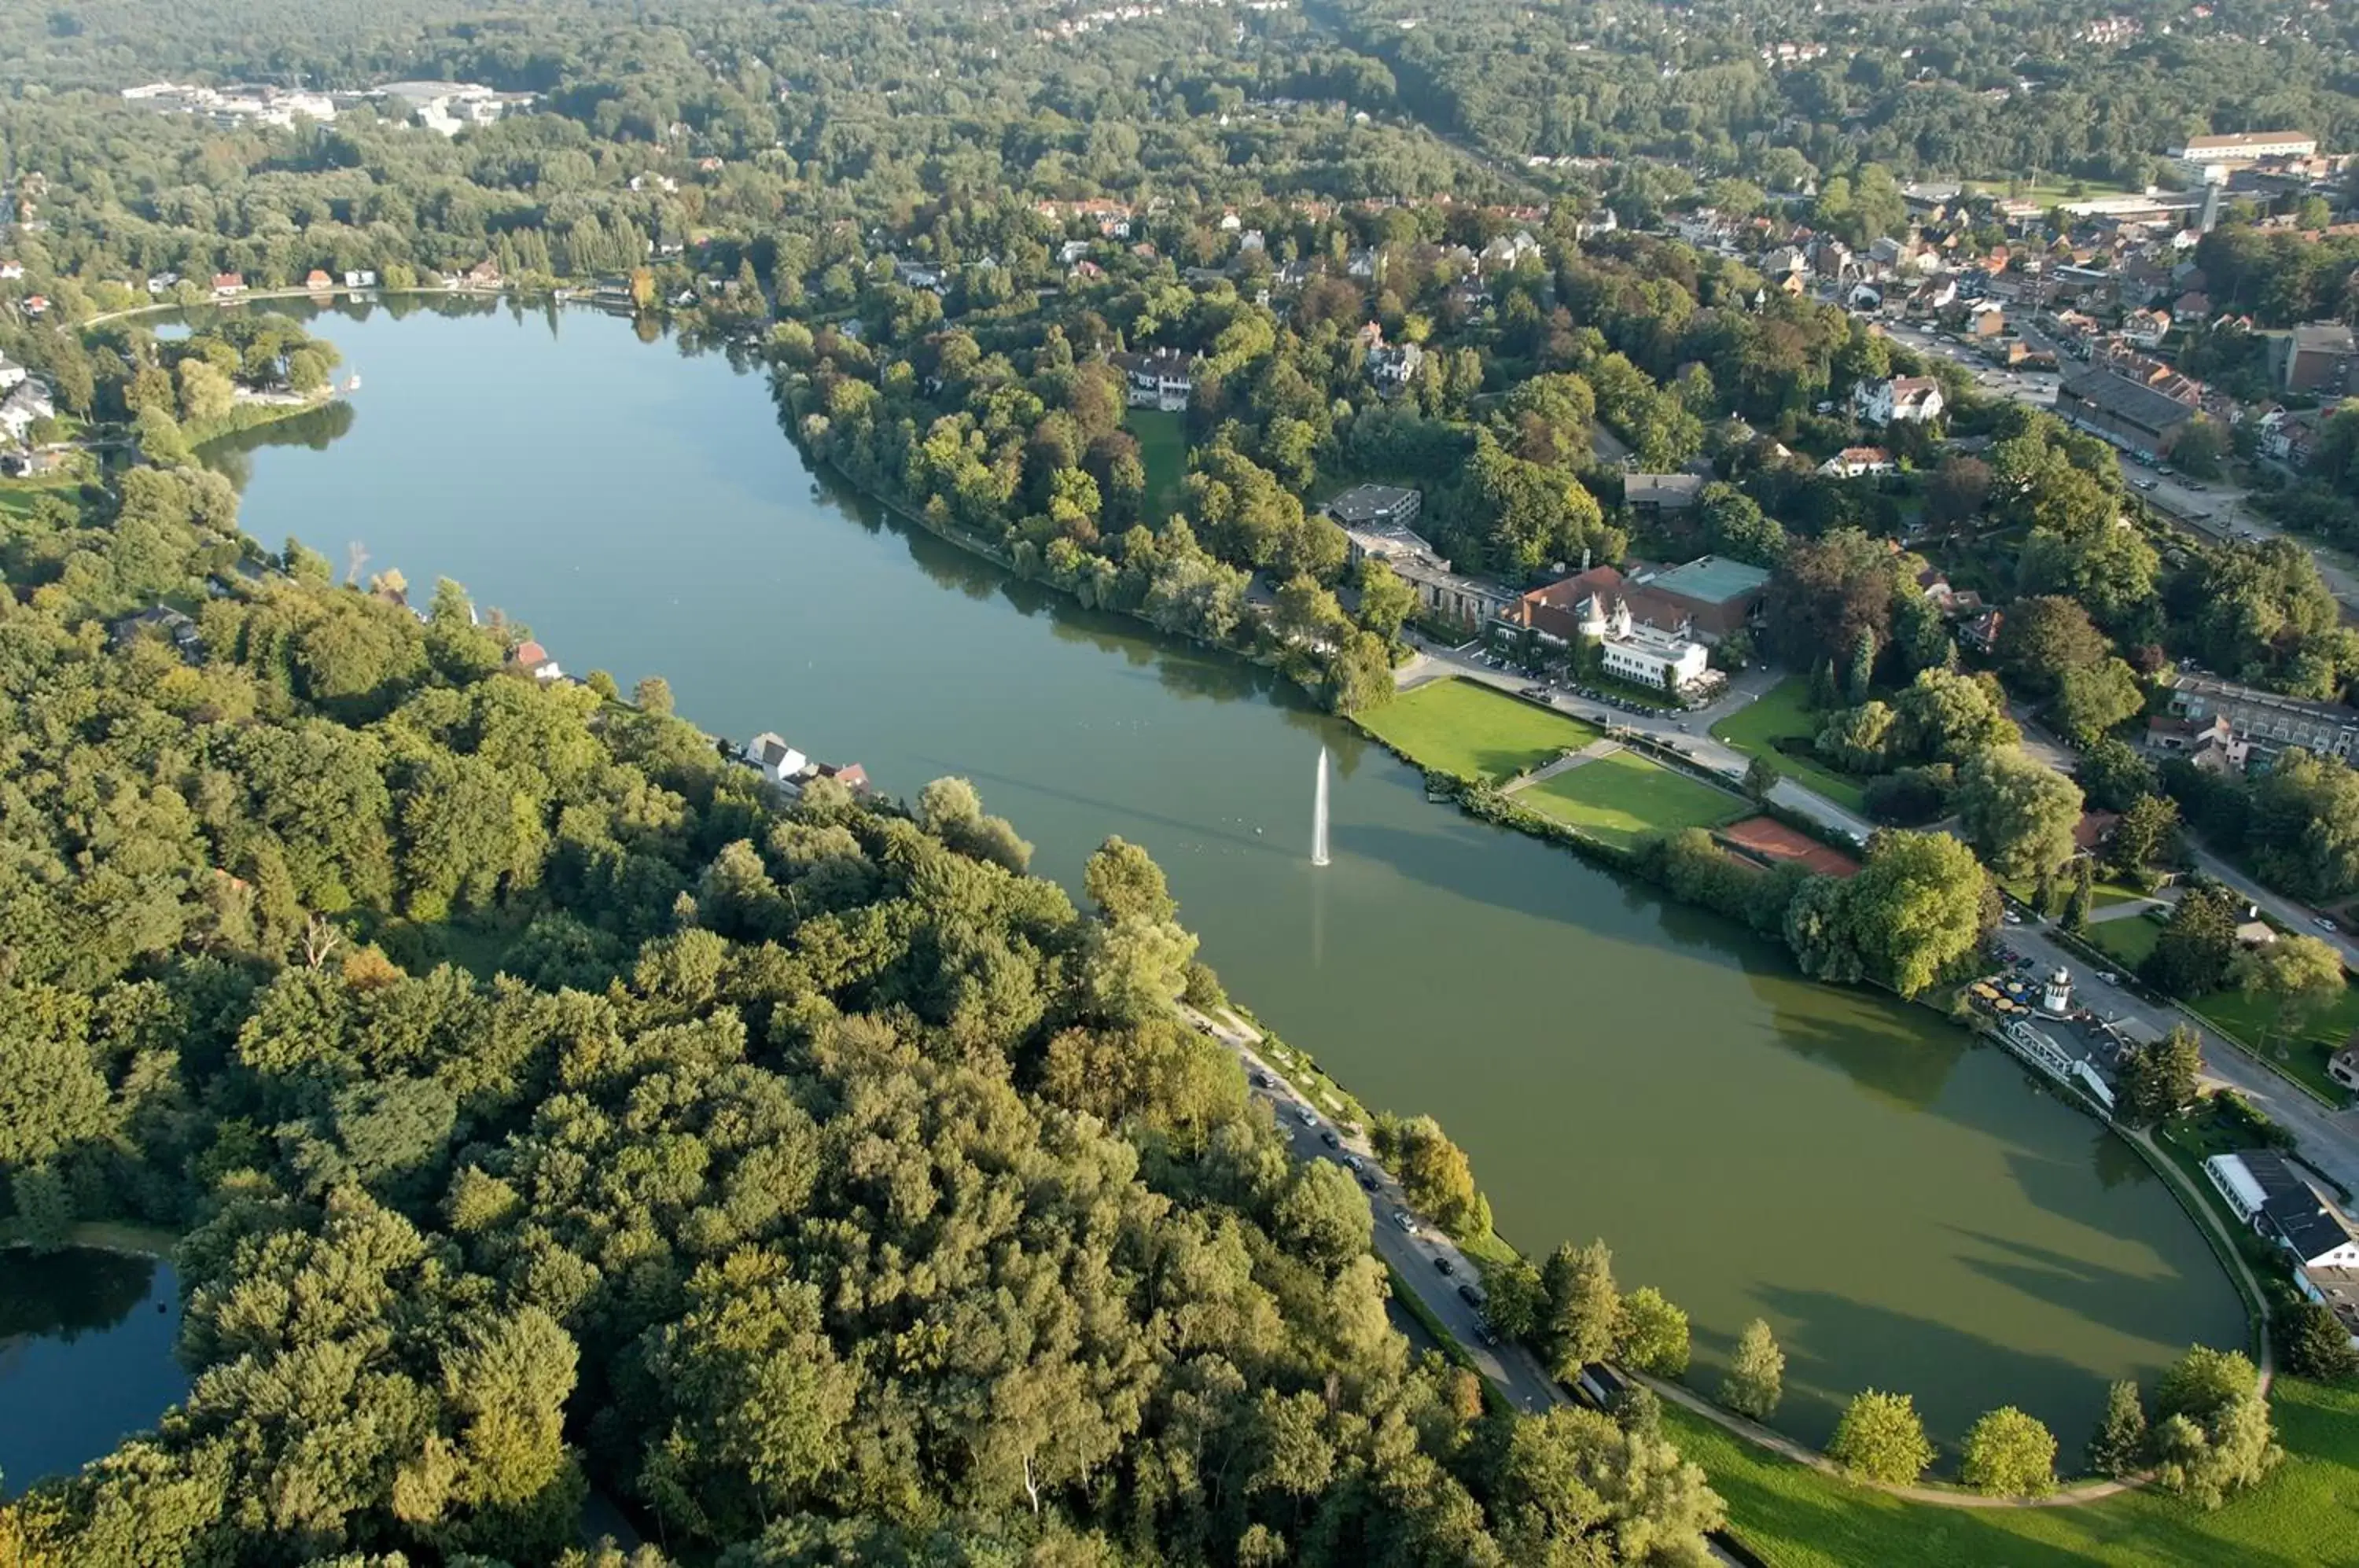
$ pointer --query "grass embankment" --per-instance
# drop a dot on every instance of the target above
(18, 495)
(1793, 1517)
(105, 1235)
(1163, 453)
(1783, 713)
(1621, 798)
(2300, 1053)
(1468, 730)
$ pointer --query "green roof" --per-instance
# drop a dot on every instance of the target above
(1709, 579)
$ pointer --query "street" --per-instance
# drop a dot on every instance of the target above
(1511, 1367)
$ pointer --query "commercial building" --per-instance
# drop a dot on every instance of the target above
(450, 107)
(2133, 416)
(2209, 161)
(1374, 520)
(2265, 721)
(2315, 356)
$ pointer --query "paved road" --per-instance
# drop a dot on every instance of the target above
(2328, 1139)
(1412, 1257)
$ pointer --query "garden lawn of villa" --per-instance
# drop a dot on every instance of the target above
(1466, 729)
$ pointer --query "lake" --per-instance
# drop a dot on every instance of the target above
(1905, 1208)
(85, 1356)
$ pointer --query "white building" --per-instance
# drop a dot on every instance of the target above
(773, 758)
(2209, 161)
(26, 402)
(1640, 654)
(1163, 378)
(450, 107)
(12, 374)
(1901, 399)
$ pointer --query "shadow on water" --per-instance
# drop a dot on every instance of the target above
(68, 1294)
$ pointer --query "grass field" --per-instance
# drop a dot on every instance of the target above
(1796, 1518)
(18, 495)
(1163, 453)
(2302, 1055)
(1470, 730)
(2127, 940)
(1622, 797)
(1784, 710)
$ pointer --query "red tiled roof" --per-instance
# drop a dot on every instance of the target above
(530, 653)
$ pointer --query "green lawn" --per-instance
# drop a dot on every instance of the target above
(2128, 939)
(1779, 713)
(1163, 453)
(18, 495)
(2302, 1055)
(1469, 730)
(1797, 1517)
(1622, 797)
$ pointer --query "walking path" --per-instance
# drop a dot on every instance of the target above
(1570, 760)
(2073, 1495)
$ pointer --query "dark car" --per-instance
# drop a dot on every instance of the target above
(1329, 1140)
(1261, 1080)
(1368, 1179)
(1470, 1295)
(1444, 1265)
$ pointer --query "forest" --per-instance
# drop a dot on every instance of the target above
(549, 1107)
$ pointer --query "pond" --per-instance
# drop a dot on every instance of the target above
(1901, 1204)
(86, 1360)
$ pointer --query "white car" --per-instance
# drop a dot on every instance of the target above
(1306, 1116)
(1405, 1220)
(2013, 919)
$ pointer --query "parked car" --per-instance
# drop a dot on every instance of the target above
(1444, 1266)
(1306, 1116)
(2322, 923)
(2013, 919)
(1261, 1080)
(1405, 1220)
(1470, 1295)
(1329, 1140)
(1368, 1179)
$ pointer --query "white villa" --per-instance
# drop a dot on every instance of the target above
(1901, 399)
(1163, 378)
(1638, 653)
(769, 755)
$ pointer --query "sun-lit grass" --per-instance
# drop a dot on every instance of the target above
(1797, 1517)
(1781, 713)
(1622, 797)
(1163, 453)
(1466, 729)
(2300, 1052)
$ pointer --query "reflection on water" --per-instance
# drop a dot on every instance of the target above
(1615, 1065)
(86, 1344)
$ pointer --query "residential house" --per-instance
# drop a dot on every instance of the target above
(1981, 633)
(161, 620)
(162, 283)
(2266, 721)
(1391, 366)
(1643, 655)
(228, 285)
(1988, 321)
(1859, 461)
(2344, 1067)
(1702, 602)
(12, 374)
(774, 759)
(1900, 399)
(37, 304)
(2145, 329)
(359, 277)
(11, 271)
(2315, 356)
(484, 273)
(27, 402)
(530, 658)
(1163, 378)
(1659, 493)
(2209, 744)
(318, 281)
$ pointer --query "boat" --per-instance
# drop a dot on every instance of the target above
(353, 385)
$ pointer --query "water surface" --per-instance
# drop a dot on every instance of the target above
(85, 1356)
(1902, 1206)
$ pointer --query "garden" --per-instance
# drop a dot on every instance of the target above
(1469, 731)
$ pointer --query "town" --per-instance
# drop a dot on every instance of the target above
(1754, 609)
